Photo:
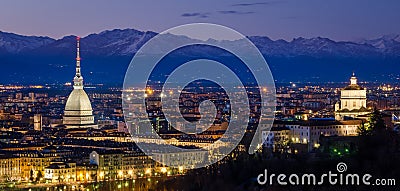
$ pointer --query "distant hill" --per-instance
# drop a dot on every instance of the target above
(40, 60)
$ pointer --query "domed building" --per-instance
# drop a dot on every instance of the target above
(353, 101)
(78, 111)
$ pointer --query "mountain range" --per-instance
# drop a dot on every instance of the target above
(106, 55)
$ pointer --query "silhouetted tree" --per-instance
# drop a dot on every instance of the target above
(377, 124)
(39, 176)
(31, 174)
(364, 130)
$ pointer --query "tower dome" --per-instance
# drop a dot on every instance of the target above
(78, 110)
(78, 100)
(353, 84)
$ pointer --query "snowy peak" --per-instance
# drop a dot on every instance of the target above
(117, 42)
(388, 43)
(126, 42)
(13, 43)
(301, 59)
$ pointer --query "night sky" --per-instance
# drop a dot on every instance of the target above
(285, 19)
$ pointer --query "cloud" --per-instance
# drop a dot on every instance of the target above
(208, 14)
(197, 14)
(236, 12)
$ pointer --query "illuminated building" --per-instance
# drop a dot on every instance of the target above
(275, 137)
(113, 165)
(37, 122)
(33, 164)
(353, 101)
(111, 136)
(308, 132)
(10, 169)
(60, 172)
(86, 173)
(191, 158)
(78, 111)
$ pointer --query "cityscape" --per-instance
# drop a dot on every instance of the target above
(79, 141)
(322, 114)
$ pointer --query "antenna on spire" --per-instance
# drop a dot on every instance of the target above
(78, 57)
(78, 79)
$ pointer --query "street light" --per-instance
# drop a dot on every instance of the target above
(163, 170)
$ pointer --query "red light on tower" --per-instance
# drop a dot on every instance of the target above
(78, 38)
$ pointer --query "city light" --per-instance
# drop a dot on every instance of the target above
(148, 171)
(72, 125)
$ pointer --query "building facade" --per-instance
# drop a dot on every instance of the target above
(60, 172)
(117, 165)
(353, 101)
(10, 169)
(308, 132)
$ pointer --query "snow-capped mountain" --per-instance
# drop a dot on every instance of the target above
(387, 43)
(127, 41)
(106, 56)
(316, 47)
(115, 42)
(13, 43)
(107, 43)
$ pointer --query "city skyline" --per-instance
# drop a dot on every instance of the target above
(217, 102)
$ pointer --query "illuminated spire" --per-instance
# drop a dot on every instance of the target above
(78, 79)
(78, 58)
(353, 79)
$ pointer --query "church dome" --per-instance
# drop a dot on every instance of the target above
(353, 87)
(78, 100)
(353, 84)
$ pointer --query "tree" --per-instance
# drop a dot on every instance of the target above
(377, 124)
(31, 175)
(364, 130)
(379, 143)
(39, 176)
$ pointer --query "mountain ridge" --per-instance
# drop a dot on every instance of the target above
(383, 42)
(107, 54)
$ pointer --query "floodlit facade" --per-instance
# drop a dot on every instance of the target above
(308, 132)
(10, 169)
(191, 158)
(353, 101)
(117, 165)
(33, 165)
(59, 172)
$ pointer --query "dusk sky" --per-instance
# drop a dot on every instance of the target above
(286, 19)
